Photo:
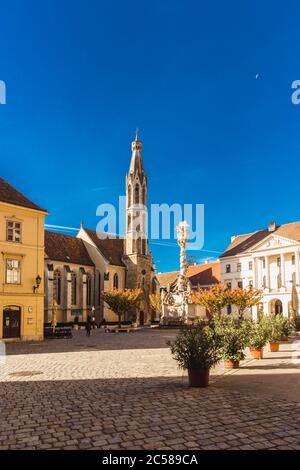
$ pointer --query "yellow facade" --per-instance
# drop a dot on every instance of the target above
(26, 255)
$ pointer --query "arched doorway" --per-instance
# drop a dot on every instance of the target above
(276, 306)
(11, 322)
(142, 318)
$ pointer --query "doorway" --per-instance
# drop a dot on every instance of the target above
(12, 322)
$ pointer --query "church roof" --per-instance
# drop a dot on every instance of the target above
(60, 247)
(11, 195)
(199, 274)
(111, 248)
(243, 243)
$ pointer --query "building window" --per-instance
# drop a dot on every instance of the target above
(229, 309)
(137, 194)
(13, 271)
(264, 283)
(250, 265)
(57, 286)
(73, 288)
(239, 267)
(116, 281)
(144, 195)
(144, 245)
(13, 232)
(99, 289)
(278, 262)
(293, 259)
(294, 279)
(88, 289)
(228, 268)
(129, 202)
(240, 284)
(229, 285)
(279, 284)
(264, 263)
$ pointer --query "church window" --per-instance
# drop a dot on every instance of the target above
(73, 288)
(116, 281)
(144, 244)
(88, 289)
(137, 194)
(57, 286)
(144, 196)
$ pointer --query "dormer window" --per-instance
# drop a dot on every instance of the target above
(13, 231)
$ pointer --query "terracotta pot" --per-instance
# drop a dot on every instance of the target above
(256, 353)
(231, 364)
(274, 346)
(285, 338)
(198, 377)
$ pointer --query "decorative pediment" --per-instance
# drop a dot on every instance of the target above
(273, 242)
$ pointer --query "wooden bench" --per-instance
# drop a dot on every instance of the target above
(119, 329)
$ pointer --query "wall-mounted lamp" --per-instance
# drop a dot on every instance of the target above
(38, 281)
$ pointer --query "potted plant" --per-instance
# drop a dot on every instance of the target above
(257, 339)
(234, 333)
(197, 348)
(286, 329)
(275, 326)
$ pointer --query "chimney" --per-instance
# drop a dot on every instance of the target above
(272, 226)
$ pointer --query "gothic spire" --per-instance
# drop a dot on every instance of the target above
(136, 164)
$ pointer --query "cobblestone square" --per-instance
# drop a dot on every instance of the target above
(124, 391)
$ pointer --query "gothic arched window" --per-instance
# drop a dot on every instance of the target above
(88, 289)
(144, 195)
(57, 286)
(144, 245)
(116, 281)
(73, 288)
(137, 194)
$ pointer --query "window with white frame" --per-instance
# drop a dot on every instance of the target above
(13, 271)
(239, 267)
(13, 231)
(228, 268)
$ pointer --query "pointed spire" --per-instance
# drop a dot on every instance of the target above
(136, 164)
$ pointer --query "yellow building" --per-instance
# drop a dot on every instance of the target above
(21, 266)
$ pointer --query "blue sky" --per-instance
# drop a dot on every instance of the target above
(82, 75)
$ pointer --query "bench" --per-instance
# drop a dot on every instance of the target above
(119, 329)
(60, 332)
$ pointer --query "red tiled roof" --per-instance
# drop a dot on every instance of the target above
(111, 248)
(11, 195)
(60, 247)
(243, 243)
(200, 274)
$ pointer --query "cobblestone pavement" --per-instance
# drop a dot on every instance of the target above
(124, 391)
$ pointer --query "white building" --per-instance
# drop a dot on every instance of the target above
(267, 259)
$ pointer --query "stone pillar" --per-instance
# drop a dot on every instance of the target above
(297, 267)
(282, 269)
(267, 271)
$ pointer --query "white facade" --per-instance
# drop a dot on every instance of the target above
(272, 265)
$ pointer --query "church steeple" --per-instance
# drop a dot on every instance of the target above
(136, 202)
(136, 164)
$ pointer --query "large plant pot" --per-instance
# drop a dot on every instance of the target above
(274, 346)
(256, 353)
(198, 377)
(231, 364)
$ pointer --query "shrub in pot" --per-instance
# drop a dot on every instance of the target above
(234, 334)
(197, 348)
(275, 326)
(257, 339)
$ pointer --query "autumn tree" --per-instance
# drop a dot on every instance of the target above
(121, 301)
(213, 299)
(245, 298)
(156, 302)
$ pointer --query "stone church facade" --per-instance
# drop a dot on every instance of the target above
(78, 269)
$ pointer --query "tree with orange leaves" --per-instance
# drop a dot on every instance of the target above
(121, 301)
(245, 298)
(213, 299)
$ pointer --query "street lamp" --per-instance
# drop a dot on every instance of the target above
(38, 281)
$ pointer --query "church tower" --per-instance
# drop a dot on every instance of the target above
(136, 257)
